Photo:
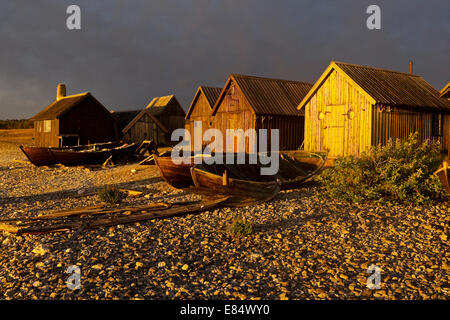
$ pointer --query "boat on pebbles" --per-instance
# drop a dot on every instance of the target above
(79, 155)
(243, 184)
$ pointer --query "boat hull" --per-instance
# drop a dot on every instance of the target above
(444, 176)
(39, 156)
(239, 192)
(295, 168)
(177, 175)
(77, 156)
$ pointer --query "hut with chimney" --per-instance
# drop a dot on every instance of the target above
(249, 102)
(73, 120)
(156, 122)
(200, 111)
(352, 107)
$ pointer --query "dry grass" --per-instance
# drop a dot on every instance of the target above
(10, 140)
(16, 136)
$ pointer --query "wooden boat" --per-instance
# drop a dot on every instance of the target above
(444, 175)
(78, 155)
(244, 183)
(177, 175)
(295, 168)
(240, 192)
(38, 156)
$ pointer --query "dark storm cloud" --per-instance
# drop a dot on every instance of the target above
(130, 51)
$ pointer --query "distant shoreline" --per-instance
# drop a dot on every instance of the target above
(16, 124)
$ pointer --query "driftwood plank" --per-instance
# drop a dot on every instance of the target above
(93, 223)
(9, 228)
(131, 193)
(89, 211)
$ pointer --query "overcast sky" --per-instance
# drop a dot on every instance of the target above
(130, 51)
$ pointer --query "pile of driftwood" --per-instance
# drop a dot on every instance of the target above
(86, 218)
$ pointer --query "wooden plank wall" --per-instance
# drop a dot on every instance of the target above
(172, 118)
(234, 112)
(90, 121)
(46, 139)
(291, 129)
(400, 123)
(145, 129)
(446, 138)
(201, 111)
(337, 90)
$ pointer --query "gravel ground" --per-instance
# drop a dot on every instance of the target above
(301, 247)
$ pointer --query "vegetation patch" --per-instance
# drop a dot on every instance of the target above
(16, 124)
(111, 194)
(399, 172)
(240, 227)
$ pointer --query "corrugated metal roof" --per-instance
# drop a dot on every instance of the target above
(272, 96)
(394, 88)
(57, 108)
(157, 105)
(211, 94)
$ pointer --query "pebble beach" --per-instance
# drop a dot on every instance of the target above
(301, 247)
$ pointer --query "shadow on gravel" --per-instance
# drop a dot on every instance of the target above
(260, 228)
(73, 192)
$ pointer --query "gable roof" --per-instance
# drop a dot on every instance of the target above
(158, 104)
(59, 107)
(445, 92)
(139, 116)
(123, 118)
(385, 87)
(268, 96)
(211, 94)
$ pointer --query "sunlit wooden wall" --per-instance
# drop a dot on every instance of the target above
(397, 123)
(338, 118)
(201, 111)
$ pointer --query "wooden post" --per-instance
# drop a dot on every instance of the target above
(225, 178)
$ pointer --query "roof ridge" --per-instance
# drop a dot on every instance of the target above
(75, 95)
(168, 95)
(134, 110)
(376, 68)
(446, 87)
(210, 87)
(265, 78)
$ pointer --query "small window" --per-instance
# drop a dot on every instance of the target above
(47, 127)
(437, 124)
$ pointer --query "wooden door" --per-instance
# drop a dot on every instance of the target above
(334, 130)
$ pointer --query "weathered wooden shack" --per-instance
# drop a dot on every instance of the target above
(156, 122)
(73, 120)
(248, 102)
(200, 110)
(353, 107)
(123, 118)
